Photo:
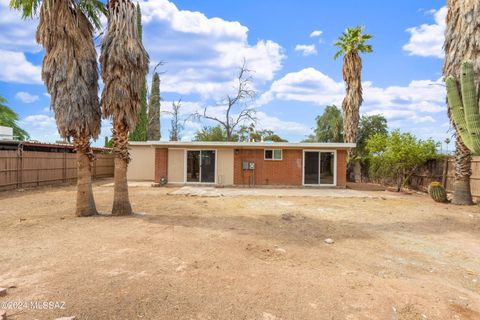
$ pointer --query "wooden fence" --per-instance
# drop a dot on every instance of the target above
(24, 169)
(444, 171)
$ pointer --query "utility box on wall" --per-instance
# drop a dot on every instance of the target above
(248, 165)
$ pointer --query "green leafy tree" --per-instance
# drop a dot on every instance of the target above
(108, 143)
(9, 118)
(329, 126)
(216, 133)
(247, 133)
(369, 126)
(140, 131)
(398, 155)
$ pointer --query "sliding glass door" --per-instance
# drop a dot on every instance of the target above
(207, 166)
(311, 167)
(201, 166)
(319, 168)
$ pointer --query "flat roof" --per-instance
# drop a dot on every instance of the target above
(242, 145)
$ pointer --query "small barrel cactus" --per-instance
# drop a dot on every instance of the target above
(437, 192)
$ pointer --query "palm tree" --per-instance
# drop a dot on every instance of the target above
(70, 74)
(9, 118)
(351, 43)
(124, 63)
(447, 142)
(462, 42)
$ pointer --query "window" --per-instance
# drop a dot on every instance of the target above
(275, 154)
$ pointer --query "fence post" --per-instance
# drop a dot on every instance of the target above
(19, 163)
(20, 151)
(94, 168)
(64, 165)
(445, 173)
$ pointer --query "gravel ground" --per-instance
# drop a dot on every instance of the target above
(249, 257)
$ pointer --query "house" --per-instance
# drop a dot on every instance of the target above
(6, 133)
(240, 163)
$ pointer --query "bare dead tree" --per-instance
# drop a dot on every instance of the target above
(244, 93)
(178, 120)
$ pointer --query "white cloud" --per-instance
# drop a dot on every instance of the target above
(39, 120)
(427, 40)
(279, 126)
(40, 127)
(203, 54)
(16, 68)
(316, 33)
(17, 34)
(306, 85)
(26, 97)
(415, 103)
(306, 49)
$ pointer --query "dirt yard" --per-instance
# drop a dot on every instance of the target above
(246, 257)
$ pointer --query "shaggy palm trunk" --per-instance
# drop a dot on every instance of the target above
(85, 201)
(462, 194)
(462, 42)
(124, 63)
(70, 73)
(352, 74)
(121, 201)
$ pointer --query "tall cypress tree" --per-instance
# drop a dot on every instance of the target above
(140, 132)
(154, 110)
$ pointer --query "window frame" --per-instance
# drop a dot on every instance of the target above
(273, 154)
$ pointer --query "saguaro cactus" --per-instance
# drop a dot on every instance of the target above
(464, 106)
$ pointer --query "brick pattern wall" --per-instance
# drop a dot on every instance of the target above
(161, 163)
(287, 172)
(341, 168)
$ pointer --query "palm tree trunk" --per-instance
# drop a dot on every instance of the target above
(121, 201)
(352, 75)
(462, 194)
(85, 201)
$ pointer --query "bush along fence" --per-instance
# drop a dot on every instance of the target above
(26, 169)
(443, 170)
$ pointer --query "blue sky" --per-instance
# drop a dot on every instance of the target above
(289, 46)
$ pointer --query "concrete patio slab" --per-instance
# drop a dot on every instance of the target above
(277, 192)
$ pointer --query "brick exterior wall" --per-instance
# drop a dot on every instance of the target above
(161, 163)
(287, 172)
(341, 168)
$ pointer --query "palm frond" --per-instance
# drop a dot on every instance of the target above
(29, 8)
(92, 9)
(353, 40)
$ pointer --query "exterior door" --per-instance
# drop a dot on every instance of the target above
(311, 167)
(193, 166)
(207, 166)
(201, 166)
(319, 168)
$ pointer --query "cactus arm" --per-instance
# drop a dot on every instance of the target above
(470, 102)
(456, 109)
